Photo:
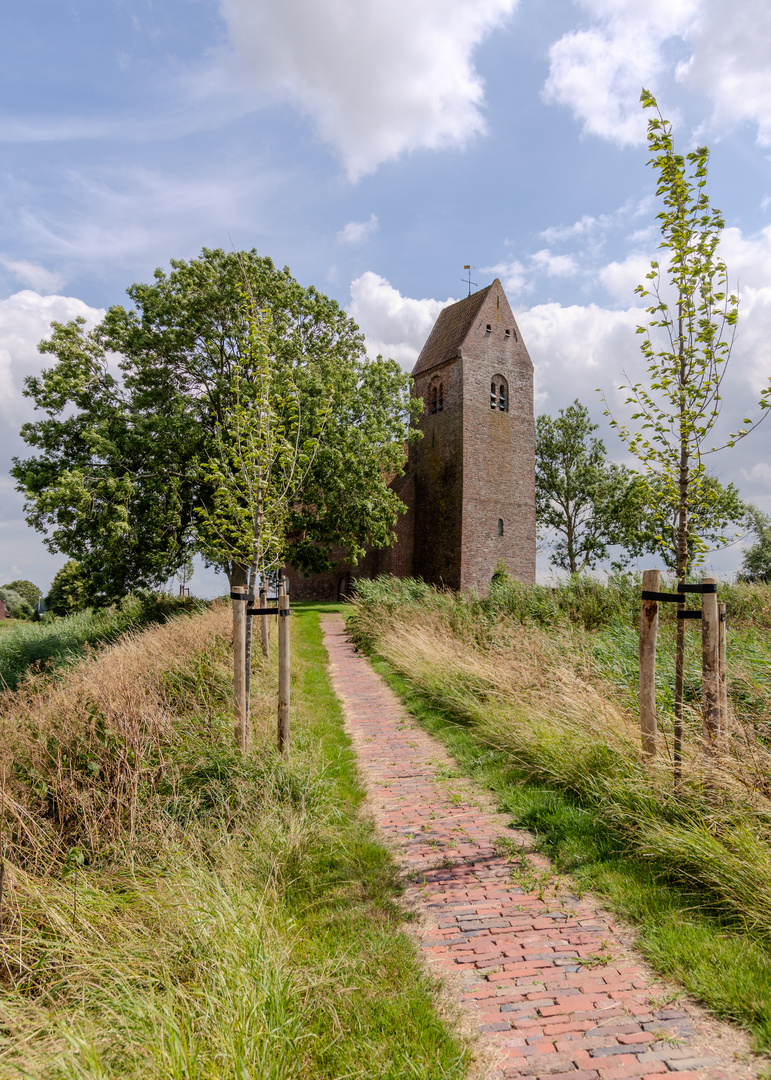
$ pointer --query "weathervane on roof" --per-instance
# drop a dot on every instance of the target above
(468, 280)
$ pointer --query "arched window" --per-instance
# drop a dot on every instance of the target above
(499, 394)
(500, 526)
(441, 397)
(433, 399)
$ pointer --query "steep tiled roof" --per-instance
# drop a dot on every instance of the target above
(449, 331)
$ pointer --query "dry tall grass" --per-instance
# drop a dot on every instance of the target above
(75, 748)
(533, 696)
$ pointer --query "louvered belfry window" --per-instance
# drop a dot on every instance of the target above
(499, 394)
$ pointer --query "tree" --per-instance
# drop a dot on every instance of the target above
(120, 484)
(649, 523)
(580, 496)
(16, 604)
(68, 590)
(27, 589)
(686, 345)
(756, 564)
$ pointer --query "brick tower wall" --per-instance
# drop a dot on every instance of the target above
(499, 450)
(436, 462)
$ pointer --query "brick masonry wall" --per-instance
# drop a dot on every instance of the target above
(337, 582)
(398, 559)
(499, 450)
(436, 461)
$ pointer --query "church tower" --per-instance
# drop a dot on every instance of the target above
(474, 469)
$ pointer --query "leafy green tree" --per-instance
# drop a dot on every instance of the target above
(257, 462)
(16, 605)
(756, 564)
(686, 345)
(580, 495)
(649, 523)
(27, 589)
(69, 591)
(119, 481)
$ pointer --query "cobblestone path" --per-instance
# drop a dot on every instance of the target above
(548, 980)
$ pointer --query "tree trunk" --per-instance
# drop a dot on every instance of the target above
(249, 631)
(710, 668)
(239, 668)
(283, 669)
(238, 578)
(682, 568)
(264, 639)
(649, 626)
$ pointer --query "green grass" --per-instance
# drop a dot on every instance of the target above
(252, 926)
(700, 948)
(343, 898)
(56, 641)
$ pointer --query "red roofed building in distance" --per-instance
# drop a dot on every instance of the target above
(469, 483)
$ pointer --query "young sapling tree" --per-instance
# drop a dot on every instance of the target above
(686, 345)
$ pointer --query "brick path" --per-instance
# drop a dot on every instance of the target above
(548, 980)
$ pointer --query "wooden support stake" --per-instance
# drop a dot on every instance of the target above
(710, 676)
(264, 634)
(649, 628)
(721, 615)
(239, 667)
(283, 669)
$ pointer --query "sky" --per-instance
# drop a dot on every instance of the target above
(375, 148)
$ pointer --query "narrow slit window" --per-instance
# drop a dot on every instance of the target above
(441, 396)
(492, 395)
(507, 333)
(502, 397)
(433, 399)
(489, 329)
(500, 526)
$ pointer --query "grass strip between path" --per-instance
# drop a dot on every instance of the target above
(682, 939)
(246, 925)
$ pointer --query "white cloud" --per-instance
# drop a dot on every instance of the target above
(714, 47)
(357, 231)
(598, 71)
(377, 80)
(25, 319)
(392, 324)
(622, 278)
(729, 63)
(555, 265)
(513, 275)
(32, 274)
(577, 349)
(585, 226)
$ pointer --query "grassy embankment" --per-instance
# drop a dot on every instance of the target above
(534, 692)
(173, 910)
(56, 641)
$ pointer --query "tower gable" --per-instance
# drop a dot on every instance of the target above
(450, 330)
